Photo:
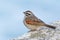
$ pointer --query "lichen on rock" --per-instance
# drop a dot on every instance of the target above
(43, 33)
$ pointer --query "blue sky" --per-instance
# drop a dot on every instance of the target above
(11, 15)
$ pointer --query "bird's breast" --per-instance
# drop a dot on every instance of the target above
(29, 22)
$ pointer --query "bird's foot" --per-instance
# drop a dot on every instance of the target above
(31, 30)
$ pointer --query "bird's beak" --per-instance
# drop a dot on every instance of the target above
(24, 12)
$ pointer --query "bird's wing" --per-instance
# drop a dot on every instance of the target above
(40, 20)
(34, 22)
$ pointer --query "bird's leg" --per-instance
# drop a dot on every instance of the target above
(32, 30)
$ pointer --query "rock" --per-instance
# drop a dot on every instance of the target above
(43, 33)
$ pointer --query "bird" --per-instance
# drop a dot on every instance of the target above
(32, 22)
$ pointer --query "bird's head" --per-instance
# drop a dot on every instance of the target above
(28, 13)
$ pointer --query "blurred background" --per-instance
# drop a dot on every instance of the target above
(11, 15)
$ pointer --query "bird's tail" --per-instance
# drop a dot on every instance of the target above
(50, 26)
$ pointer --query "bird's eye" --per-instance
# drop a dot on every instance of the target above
(28, 14)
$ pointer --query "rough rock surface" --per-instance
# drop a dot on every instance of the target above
(43, 33)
